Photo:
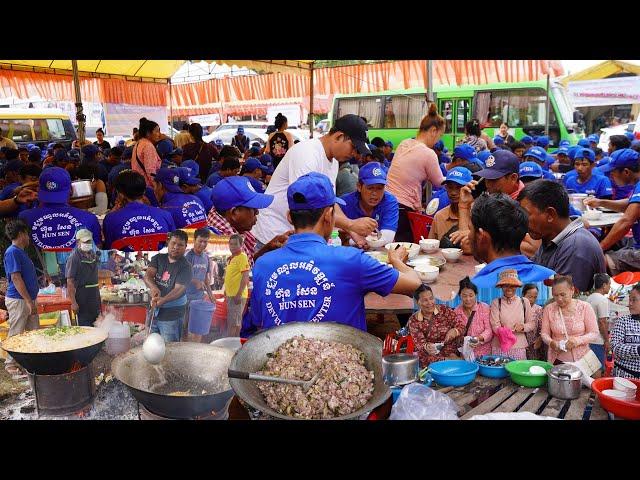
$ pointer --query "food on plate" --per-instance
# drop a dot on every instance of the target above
(343, 386)
(55, 339)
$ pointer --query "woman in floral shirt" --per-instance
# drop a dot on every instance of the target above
(434, 324)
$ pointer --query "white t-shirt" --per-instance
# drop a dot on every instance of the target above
(600, 305)
(304, 157)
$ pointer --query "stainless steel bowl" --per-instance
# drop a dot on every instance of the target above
(81, 188)
(400, 369)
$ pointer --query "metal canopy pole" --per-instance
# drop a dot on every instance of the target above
(311, 101)
(80, 117)
(547, 104)
(429, 82)
(171, 110)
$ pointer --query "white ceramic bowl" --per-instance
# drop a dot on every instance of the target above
(452, 254)
(412, 248)
(427, 273)
(374, 242)
(429, 245)
(625, 386)
(616, 394)
(592, 214)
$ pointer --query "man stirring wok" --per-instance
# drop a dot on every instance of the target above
(82, 279)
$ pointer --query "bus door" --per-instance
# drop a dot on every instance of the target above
(462, 116)
(446, 110)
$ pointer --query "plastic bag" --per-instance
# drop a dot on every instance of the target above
(467, 350)
(49, 290)
(418, 402)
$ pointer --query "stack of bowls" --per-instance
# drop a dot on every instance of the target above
(623, 389)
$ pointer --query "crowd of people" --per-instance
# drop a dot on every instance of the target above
(503, 200)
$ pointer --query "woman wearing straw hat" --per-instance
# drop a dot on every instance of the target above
(511, 318)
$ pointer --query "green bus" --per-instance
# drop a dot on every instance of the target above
(395, 115)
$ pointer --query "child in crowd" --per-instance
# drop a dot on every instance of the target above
(236, 281)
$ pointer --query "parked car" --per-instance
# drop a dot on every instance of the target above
(37, 126)
(226, 134)
(617, 130)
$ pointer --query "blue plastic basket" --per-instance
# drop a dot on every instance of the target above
(453, 373)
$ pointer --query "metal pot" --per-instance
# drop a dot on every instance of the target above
(400, 369)
(134, 297)
(565, 382)
(145, 297)
(81, 188)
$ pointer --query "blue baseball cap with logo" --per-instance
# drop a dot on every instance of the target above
(240, 130)
(623, 158)
(499, 164)
(121, 143)
(237, 191)
(583, 142)
(253, 151)
(187, 177)
(498, 140)
(593, 138)
(564, 143)
(169, 178)
(252, 164)
(372, 173)
(483, 155)
(164, 147)
(218, 142)
(527, 140)
(542, 141)
(585, 153)
(530, 169)
(464, 151)
(311, 192)
(602, 162)
(573, 150)
(55, 185)
(630, 136)
(459, 175)
(536, 152)
(192, 168)
(562, 151)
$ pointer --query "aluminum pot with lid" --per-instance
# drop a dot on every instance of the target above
(565, 381)
(400, 369)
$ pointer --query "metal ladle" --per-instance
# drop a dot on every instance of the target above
(306, 385)
(153, 348)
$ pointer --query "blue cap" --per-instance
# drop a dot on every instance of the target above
(630, 136)
(562, 151)
(51, 145)
(372, 148)
(389, 143)
(192, 167)
(219, 142)
(564, 143)
(121, 143)
(240, 130)
(603, 161)
(164, 147)
(550, 159)
(372, 173)
(464, 151)
(499, 164)
(459, 175)
(536, 152)
(526, 140)
(439, 145)
(176, 151)
(127, 153)
(624, 158)
(593, 138)
(530, 169)
(186, 176)
(585, 153)
(542, 141)
(30, 146)
(75, 154)
(312, 191)
(635, 143)
(583, 142)
(444, 158)
(252, 164)
(13, 165)
(498, 140)
(254, 151)
(169, 178)
(483, 155)
(55, 185)
(90, 151)
(573, 150)
(237, 191)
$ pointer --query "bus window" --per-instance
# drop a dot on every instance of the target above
(482, 104)
(404, 111)
(446, 110)
(462, 115)
(49, 129)
(518, 108)
(367, 107)
(17, 130)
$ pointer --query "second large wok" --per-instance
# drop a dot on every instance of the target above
(253, 355)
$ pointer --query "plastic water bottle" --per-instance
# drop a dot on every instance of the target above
(335, 241)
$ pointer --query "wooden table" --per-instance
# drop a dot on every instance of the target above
(487, 395)
(608, 219)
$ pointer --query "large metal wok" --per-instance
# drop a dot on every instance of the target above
(253, 355)
(56, 363)
(186, 367)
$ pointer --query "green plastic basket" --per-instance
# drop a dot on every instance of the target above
(519, 371)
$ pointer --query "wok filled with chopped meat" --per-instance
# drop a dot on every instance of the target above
(348, 360)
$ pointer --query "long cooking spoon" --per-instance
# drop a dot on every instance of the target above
(306, 385)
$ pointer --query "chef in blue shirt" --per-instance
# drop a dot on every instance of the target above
(585, 181)
(371, 200)
(307, 280)
(254, 171)
(191, 184)
(187, 210)
(539, 156)
(135, 218)
(54, 223)
(624, 169)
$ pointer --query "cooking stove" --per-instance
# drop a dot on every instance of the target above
(64, 394)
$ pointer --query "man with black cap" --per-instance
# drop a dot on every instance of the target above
(501, 173)
(310, 281)
(321, 155)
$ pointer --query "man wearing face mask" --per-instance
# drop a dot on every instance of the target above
(82, 279)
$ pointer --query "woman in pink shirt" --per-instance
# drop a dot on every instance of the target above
(513, 313)
(478, 326)
(567, 323)
(145, 159)
(413, 163)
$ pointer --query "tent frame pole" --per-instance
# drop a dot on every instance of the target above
(311, 101)
(80, 116)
